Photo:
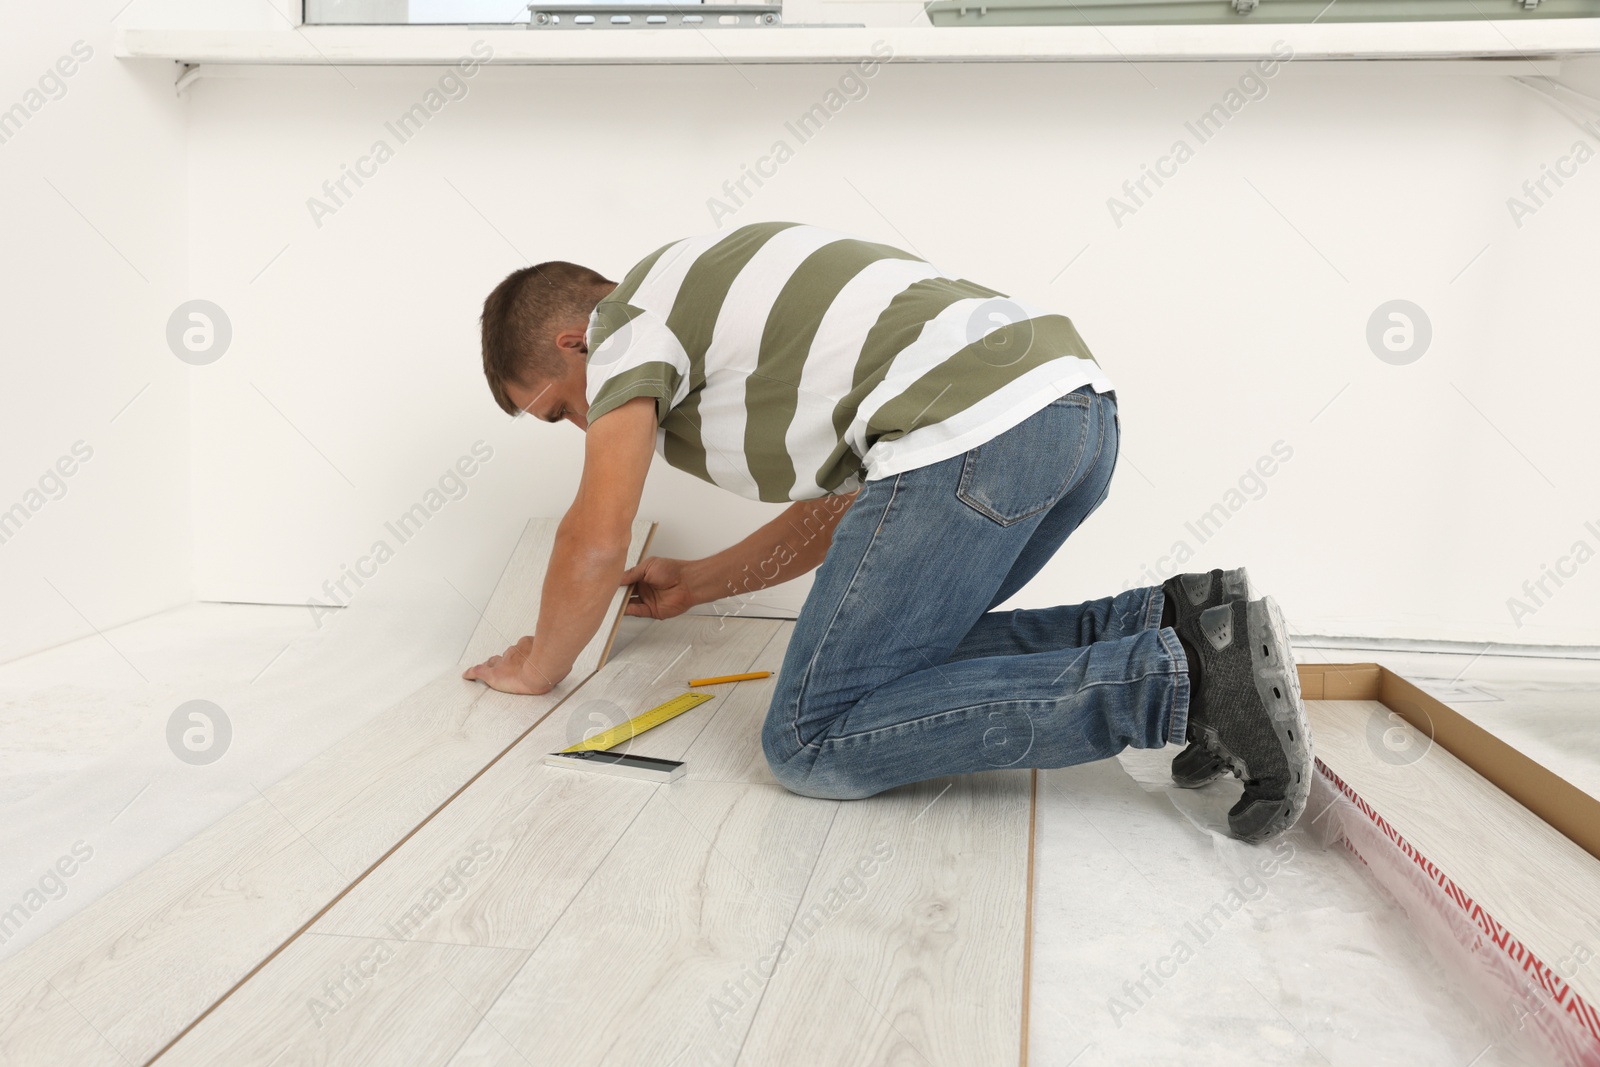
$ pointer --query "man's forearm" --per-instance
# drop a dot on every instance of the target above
(579, 585)
(586, 561)
(790, 545)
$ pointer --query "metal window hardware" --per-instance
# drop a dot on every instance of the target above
(612, 16)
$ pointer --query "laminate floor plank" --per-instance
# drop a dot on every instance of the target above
(200, 919)
(189, 927)
(496, 867)
(1529, 876)
(354, 1000)
(549, 827)
(909, 945)
(729, 749)
(647, 964)
(358, 799)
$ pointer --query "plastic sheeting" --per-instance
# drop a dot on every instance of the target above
(1525, 1002)
(1161, 939)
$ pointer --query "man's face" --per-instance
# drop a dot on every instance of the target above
(558, 398)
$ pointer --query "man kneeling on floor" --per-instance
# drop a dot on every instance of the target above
(939, 442)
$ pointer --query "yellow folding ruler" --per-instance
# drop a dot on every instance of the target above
(637, 725)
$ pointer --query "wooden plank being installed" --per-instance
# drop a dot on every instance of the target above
(199, 920)
(1514, 895)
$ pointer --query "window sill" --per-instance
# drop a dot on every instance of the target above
(1533, 39)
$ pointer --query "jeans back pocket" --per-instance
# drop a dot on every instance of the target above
(1032, 465)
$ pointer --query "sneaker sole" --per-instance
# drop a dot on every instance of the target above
(1278, 685)
(1197, 586)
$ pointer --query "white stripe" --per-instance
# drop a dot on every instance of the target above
(830, 365)
(646, 337)
(829, 368)
(643, 339)
(987, 419)
(941, 337)
(735, 348)
(661, 283)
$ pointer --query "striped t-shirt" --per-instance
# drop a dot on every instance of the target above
(789, 362)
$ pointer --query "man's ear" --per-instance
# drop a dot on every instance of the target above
(573, 342)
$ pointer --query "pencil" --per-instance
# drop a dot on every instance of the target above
(730, 678)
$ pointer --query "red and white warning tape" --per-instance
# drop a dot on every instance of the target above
(1527, 987)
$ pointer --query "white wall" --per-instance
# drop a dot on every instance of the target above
(1231, 309)
(93, 261)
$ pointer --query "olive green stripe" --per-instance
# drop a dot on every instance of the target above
(683, 447)
(693, 319)
(772, 391)
(952, 387)
(900, 324)
(897, 326)
(769, 408)
(841, 463)
(609, 316)
(943, 393)
(705, 286)
(656, 378)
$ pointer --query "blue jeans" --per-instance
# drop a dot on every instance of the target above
(899, 669)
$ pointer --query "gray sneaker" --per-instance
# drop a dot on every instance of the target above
(1195, 767)
(1189, 595)
(1249, 715)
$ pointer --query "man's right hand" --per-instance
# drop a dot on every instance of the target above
(662, 588)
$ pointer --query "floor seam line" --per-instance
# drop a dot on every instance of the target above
(483, 1016)
(1027, 923)
(557, 920)
(789, 930)
(706, 725)
(292, 938)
